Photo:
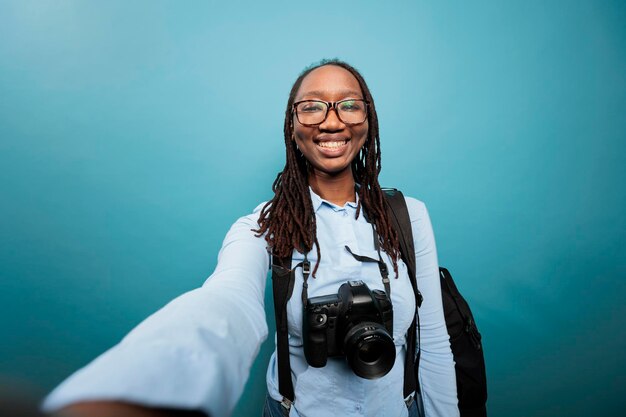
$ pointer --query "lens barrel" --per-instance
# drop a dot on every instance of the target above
(370, 350)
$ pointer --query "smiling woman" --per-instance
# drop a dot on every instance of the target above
(346, 346)
(330, 155)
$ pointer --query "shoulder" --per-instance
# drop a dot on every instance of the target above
(245, 230)
(252, 219)
(420, 222)
(417, 208)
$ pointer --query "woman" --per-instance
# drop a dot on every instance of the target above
(196, 352)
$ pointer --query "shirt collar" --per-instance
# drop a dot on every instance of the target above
(318, 201)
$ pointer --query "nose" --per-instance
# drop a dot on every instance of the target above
(332, 122)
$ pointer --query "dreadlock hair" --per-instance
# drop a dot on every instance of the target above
(288, 218)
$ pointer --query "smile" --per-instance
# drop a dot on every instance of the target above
(333, 144)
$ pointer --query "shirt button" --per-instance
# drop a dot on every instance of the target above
(345, 213)
(357, 407)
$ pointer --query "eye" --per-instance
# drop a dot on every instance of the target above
(311, 107)
(351, 105)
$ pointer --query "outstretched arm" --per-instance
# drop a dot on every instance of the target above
(193, 354)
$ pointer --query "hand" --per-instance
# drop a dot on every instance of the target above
(116, 409)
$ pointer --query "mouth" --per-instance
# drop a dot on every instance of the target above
(332, 144)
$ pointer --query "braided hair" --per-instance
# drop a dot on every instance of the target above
(288, 218)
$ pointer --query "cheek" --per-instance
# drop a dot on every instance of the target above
(362, 134)
(303, 134)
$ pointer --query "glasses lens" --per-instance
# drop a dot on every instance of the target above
(311, 112)
(352, 111)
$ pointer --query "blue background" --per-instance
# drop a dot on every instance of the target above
(134, 133)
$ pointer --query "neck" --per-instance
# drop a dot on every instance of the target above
(338, 189)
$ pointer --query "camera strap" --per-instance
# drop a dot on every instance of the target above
(382, 266)
(306, 271)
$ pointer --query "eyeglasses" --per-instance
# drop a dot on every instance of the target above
(314, 112)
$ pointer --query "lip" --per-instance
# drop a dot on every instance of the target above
(330, 138)
(332, 152)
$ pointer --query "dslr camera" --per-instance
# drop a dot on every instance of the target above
(356, 323)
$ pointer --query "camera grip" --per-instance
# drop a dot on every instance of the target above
(315, 345)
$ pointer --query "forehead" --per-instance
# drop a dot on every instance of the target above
(329, 82)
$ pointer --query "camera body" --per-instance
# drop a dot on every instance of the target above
(356, 323)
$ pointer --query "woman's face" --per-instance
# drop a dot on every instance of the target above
(330, 146)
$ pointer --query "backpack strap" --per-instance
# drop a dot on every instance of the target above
(282, 283)
(399, 215)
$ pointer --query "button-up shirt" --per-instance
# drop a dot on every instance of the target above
(196, 352)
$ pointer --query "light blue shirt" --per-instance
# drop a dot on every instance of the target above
(196, 352)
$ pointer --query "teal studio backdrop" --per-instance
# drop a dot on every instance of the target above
(133, 134)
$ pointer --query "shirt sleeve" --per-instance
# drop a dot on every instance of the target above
(436, 368)
(194, 353)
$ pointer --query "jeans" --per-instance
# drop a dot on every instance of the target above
(273, 408)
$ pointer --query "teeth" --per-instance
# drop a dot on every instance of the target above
(332, 144)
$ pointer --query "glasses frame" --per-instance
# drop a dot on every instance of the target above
(330, 105)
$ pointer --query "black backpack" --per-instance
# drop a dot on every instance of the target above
(465, 340)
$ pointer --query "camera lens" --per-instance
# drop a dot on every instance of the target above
(370, 350)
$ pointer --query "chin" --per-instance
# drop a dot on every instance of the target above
(333, 170)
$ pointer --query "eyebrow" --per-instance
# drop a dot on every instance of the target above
(341, 92)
